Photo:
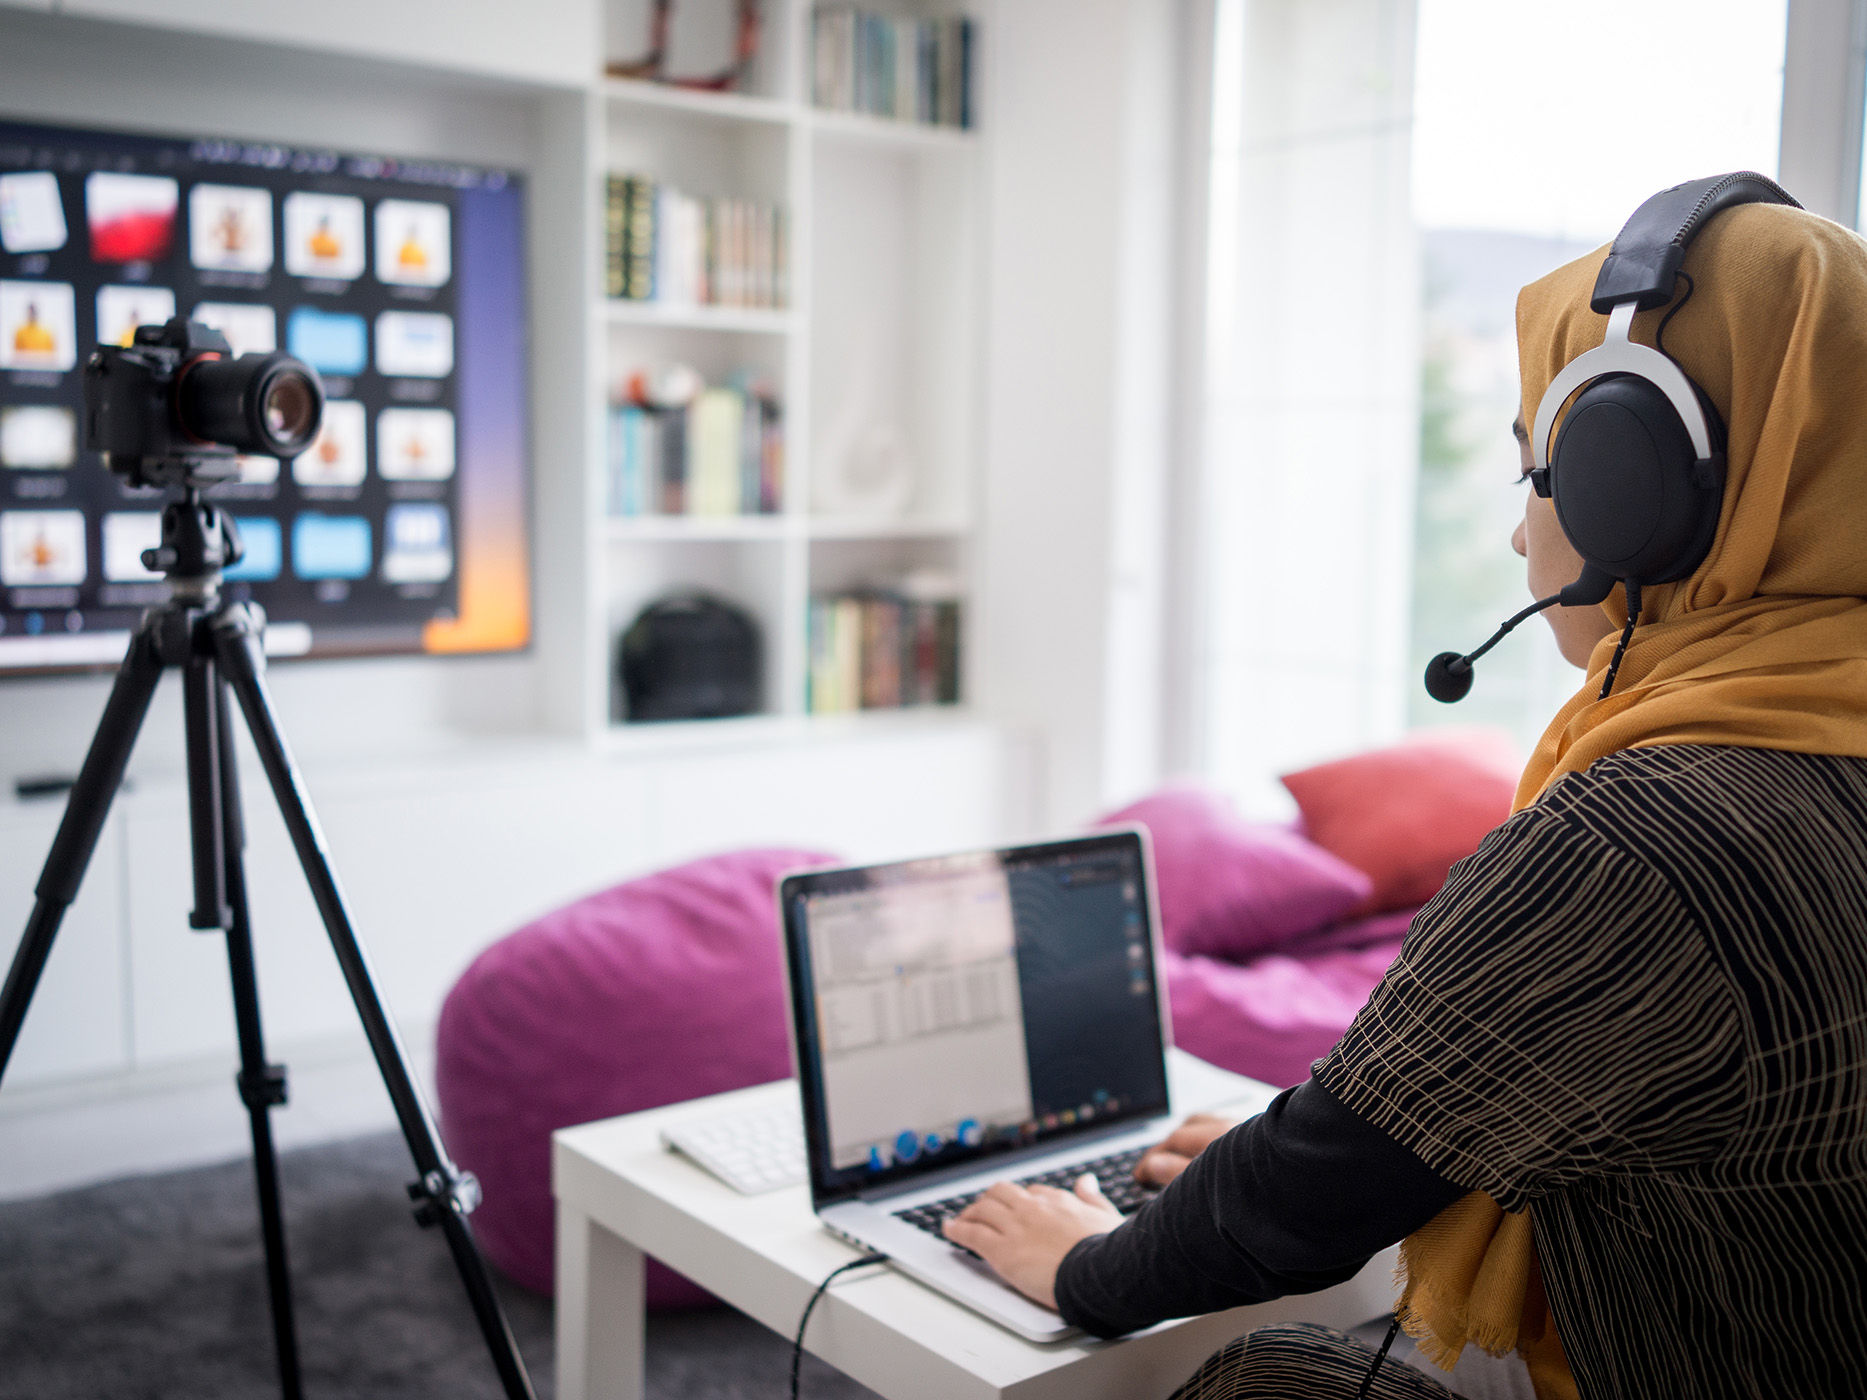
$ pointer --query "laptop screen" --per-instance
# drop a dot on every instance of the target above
(949, 1008)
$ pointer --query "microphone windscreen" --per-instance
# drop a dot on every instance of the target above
(1448, 677)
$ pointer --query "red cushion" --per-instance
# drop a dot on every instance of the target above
(1231, 888)
(1405, 815)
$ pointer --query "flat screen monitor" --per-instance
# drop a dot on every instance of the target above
(404, 528)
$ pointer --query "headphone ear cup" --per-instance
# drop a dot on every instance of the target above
(1626, 486)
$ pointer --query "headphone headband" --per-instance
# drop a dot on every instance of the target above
(1643, 264)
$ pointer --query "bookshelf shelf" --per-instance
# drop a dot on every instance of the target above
(886, 131)
(759, 731)
(741, 320)
(831, 528)
(640, 528)
(717, 106)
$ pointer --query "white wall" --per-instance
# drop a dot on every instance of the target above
(1312, 380)
(1081, 103)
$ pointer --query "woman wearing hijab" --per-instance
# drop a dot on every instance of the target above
(1613, 1092)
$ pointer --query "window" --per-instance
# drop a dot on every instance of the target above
(1530, 147)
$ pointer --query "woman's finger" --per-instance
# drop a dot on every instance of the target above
(1161, 1166)
(1090, 1190)
(971, 1233)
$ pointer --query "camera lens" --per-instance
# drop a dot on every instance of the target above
(290, 408)
(267, 404)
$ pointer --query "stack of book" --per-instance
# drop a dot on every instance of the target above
(882, 649)
(910, 69)
(720, 454)
(666, 246)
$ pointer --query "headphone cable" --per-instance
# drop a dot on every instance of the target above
(797, 1344)
(1627, 632)
(1380, 1356)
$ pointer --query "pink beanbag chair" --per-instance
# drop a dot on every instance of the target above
(1274, 1017)
(1231, 888)
(662, 989)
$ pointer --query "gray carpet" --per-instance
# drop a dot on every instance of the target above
(155, 1287)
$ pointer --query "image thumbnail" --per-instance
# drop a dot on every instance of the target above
(418, 544)
(38, 326)
(413, 243)
(32, 214)
(41, 547)
(120, 310)
(38, 437)
(230, 228)
(132, 217)
(126, 535)
(339, 457)
(331, 342)
(324, 235)
(419, 344)
(330, 546)
(249, 329)
(415, 444)
(265, 548)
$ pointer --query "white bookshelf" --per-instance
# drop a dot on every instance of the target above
(876, 356)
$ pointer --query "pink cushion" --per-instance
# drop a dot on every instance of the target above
(1404, 815)
(1231, 888)
(662, 989)
(1272, 1018)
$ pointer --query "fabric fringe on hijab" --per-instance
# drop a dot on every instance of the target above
(1764, 646)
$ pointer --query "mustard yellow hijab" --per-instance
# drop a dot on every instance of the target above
(1764, 646)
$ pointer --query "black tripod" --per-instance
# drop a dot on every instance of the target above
(216, 646)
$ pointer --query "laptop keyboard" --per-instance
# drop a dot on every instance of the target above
(1114, 1174)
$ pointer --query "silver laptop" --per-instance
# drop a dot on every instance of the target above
(958, 1021)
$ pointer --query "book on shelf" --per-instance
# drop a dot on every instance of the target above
(665, 246)
(721, 454)
(913, 70)
(880, 649)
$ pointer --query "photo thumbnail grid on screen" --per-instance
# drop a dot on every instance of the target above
(404, 526)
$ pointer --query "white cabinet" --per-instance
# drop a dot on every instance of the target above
(78, 1023)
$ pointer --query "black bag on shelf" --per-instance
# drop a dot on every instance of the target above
(690, 657)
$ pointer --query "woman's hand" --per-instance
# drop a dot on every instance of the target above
(1167, 1159)
(1024, 1232)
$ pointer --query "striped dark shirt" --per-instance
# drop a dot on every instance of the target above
(1640, 1010)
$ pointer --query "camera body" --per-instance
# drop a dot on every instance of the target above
(175, 408)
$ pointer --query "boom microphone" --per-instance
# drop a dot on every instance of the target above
(1449, 675)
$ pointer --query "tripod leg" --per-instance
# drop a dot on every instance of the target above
(261, 1085)
(444, 1194)
(83, 823)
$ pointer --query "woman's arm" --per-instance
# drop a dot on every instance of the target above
(1294, 1200)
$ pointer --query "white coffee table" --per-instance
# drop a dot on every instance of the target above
(621, 1194)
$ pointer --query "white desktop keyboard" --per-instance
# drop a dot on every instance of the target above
(752, 1152)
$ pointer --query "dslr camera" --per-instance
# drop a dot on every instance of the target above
(175, 408)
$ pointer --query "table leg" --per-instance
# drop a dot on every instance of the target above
(600, 1303)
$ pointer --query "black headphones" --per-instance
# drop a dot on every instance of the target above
(1637, 472)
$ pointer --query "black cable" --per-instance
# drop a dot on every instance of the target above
(797, 1344)
(1627, 632)
(1659, 336)
(1380, 1356)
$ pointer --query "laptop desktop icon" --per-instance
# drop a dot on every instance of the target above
(967, 1019)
